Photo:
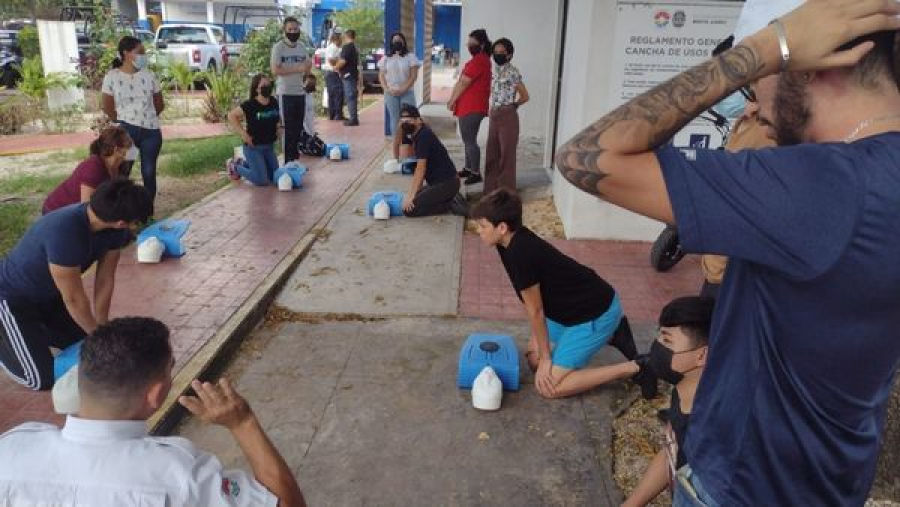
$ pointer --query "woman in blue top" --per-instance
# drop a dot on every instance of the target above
(261, 115)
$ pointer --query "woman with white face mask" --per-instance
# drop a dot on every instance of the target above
(132, 98)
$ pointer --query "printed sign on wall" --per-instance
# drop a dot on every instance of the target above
(655, 41)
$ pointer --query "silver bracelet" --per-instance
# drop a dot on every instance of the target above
(782, 43)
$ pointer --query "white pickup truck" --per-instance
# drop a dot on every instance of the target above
(201, 47)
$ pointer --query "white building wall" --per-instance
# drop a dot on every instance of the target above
(196, 11)
(532, 26)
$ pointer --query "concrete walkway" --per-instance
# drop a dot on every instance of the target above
(241, 240)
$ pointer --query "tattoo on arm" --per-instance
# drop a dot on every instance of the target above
(651, 119)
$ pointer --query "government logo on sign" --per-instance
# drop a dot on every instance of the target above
(661, 18)
(679, 19)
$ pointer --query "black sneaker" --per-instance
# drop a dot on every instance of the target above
(473, 179)
(465, 173)
(459, 206)
(623, 340)
(645, 378)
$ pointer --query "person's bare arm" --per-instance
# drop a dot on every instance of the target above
(614, 159)
(339, 64)
(86, 192)
(221, 404)
(158, 103)
(398, 140)
(108, 105)
(654, 482)
(523, 96)
(235, 117)
(534, 307)
(461, 85)
(104, 285)
(68, 281)
(411, 80)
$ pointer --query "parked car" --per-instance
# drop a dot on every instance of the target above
(201, 47)
(370, 70)
(10, 59)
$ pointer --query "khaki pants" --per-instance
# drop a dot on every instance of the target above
(500, 156)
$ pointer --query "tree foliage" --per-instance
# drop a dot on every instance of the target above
(366, 17)
(256, 53)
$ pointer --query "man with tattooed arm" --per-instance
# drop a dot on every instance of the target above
(804, 344)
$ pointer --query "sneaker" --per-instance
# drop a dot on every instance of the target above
(349, 123)
(623, 340)
(459, 206)
(465, 173)
(232, 172)
(473, 179)
(645, 377)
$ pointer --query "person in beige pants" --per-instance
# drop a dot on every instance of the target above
(507, 94)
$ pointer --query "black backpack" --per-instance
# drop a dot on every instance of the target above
(311, 145)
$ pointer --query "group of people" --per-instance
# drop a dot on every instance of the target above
(780, 382)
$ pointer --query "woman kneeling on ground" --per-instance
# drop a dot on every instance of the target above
(107, 156)
(262, 118)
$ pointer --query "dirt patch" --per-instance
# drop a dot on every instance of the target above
(637, 437)
(178, 193)
(279, 314)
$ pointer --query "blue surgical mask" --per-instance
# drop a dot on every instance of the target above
(732, 106)
(140, 61)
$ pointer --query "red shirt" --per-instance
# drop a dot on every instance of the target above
(91, 172)
(474, 99)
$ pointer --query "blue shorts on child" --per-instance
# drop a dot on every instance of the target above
(573, 346)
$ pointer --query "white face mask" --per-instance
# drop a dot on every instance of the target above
(140, 61)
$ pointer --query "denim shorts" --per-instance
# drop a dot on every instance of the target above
(574, 346)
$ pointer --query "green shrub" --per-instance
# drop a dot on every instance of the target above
(256, 54)
(14, 114)
(28, 41)
(223, 92)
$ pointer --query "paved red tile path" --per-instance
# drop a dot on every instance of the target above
(485, 290)
(235, 240)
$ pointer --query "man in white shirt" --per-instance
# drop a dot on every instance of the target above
(333, 84)
(104, 456)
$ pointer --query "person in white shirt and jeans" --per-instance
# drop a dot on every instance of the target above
(104, 456)
(397, 73)
(333, 84)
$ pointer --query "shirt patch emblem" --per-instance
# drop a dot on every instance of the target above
(690, 155)
(230, 487)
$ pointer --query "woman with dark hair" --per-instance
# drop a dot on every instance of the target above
(469, 101)
(397, 73)
(261, 114)
(107, 155)
(133, 99)
(508, 92)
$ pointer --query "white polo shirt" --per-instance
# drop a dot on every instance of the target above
(115, 463)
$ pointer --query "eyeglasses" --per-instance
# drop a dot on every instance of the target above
(748, 93)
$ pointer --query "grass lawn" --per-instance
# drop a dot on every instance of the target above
(21, 197)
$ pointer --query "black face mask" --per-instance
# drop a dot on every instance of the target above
(265, 91)
(474, 50)
(293, 37)
(661, 363)
(310, 88)
(397, 47)
(501, 59)
(408, 128)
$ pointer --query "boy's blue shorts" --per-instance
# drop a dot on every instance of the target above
(573, 346)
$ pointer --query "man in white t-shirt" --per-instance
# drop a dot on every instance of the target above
(333, 85)
(104, 456)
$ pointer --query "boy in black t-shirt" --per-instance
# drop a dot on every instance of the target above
(568, 305)
(678, 357)
(434, 168)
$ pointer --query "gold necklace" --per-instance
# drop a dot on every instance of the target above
(865, 123)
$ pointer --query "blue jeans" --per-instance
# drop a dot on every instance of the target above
(149, 142)
(350, 95)
(685, 481)
(262, 162)
(393, 103)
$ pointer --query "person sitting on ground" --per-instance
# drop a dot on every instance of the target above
(262, 117)
(573, 312)
(677, 357)
(433, 167)
(107, 157)
(104, 456)
(43, 302)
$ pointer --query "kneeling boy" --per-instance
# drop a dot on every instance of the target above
(568, 304)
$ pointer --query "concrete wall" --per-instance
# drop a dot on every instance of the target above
(532, 26)
(584, 92)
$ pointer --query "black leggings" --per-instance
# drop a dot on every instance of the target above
(27, 331)
(434, 199)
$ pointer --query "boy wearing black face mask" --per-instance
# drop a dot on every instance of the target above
(678, 357)
(434, 170)
(290, 62)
